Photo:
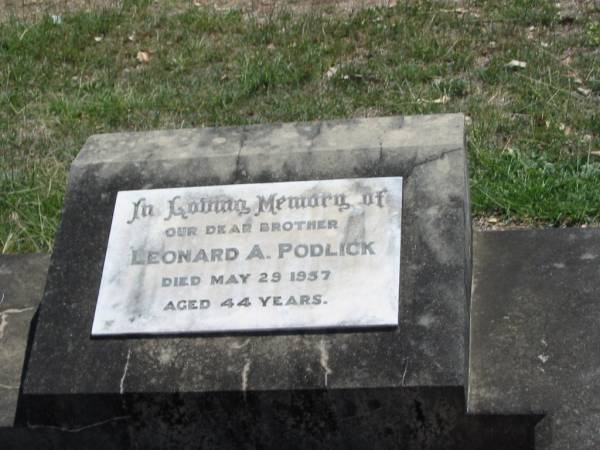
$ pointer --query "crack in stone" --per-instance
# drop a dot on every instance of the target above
(381, 158)
(239, 173)
(434, 158)
(78, 429)
(314, 137)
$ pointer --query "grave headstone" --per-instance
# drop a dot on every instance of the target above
(125, 333)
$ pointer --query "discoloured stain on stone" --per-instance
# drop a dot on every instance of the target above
(324, 361)
(22, 280)
(245, 372)
(125, 369)
(4, 317)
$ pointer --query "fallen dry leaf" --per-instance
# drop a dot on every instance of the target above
(98, 38)
(131, 37)
(565, 129)
(442, 100)
(584, 91)
(143, 57)
(331, 72)
(595, 153)
(271, 46)
(515, 64)
(492, 220)
(530, 32)
(566, 61)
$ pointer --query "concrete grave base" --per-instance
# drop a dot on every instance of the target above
(78, 377)
(535, 336)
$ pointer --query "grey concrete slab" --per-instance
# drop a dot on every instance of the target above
(535, 336)
(22, 279)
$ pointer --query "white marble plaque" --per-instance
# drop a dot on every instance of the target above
(247, 257)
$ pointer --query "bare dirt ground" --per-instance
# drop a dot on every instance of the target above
(33, 8)
(492, 223)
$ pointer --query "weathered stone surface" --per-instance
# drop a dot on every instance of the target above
(426, 350)
(22, 279)
(534, 332)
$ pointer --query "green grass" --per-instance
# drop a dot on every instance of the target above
(530, 138)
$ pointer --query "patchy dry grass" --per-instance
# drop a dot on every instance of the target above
(532, 131)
